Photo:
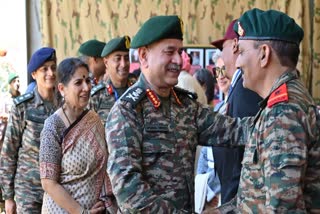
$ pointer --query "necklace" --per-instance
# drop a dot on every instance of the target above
(66, 116)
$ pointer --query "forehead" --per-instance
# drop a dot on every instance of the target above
(220, 62)
(119, 53)
(81, 72)
(168, 44)
(49, 63)
(245, 43)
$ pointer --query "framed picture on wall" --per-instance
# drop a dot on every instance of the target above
(134, 56)
(197, 56)
(209, 53)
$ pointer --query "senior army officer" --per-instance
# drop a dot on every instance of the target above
(153, 130)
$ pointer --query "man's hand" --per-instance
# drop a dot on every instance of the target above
(10, 206)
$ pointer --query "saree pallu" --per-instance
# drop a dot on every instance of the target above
(82, 166)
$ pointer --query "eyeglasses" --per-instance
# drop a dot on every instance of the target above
(220, 71)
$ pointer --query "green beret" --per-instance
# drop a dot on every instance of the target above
(12, 76)
(92, 48)
(157, 28)
(257, 24)
(116, 44)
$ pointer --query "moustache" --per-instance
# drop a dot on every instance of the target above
(174, 66)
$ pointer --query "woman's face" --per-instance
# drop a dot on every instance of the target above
(46, 75)
(77, 91)
(223, 81)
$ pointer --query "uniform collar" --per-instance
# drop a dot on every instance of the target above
(153, 96)
(283, 79)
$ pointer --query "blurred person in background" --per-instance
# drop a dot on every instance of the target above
(207, 82)
(188, 82)
(91, 54)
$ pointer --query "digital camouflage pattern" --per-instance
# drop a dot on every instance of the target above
(19, 166)
(281, 164)
(152, 150)
(103, 97)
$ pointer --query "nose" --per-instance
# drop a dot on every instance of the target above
(177, 58)
(123, 62)
(86, 86)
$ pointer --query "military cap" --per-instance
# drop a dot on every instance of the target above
(40, 57)
(230, 34)
(92, 48)
(157, 28)
(12, 76)
(257, 24)
(116, 44)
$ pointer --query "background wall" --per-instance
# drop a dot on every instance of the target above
(66, 24)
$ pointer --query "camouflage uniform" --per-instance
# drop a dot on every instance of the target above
(281, 164)
(103, 97)
(19, 166)
(152, 147)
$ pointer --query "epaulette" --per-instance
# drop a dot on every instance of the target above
(278, 96)
(97, 88)
(134, 95)
(186, 92)
(23, 98)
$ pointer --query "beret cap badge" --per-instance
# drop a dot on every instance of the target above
(240, 30)
(181, 24)
(127, 42)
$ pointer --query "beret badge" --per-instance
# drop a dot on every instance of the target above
(181, 24)
(240, 30)
(127, 42)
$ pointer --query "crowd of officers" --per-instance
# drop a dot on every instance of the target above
(152, 128)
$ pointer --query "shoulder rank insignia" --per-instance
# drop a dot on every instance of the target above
(23, 98)
(109, 89)
(133, 95)
(153, 98)
(183, 91)
(97, 88)
(278, 96)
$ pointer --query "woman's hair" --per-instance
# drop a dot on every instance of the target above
(68, 67)
(205, 78)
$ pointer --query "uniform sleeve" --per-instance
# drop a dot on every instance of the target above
(10, 151)
(284, 159)
(93, 103)
(215, 129)
(50, 153)
(124, 137)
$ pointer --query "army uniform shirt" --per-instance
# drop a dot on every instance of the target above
(281, 164)
(103, 97)
(152, 143)
(19, 166)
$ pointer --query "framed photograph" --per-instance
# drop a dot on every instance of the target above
(134, 56)
(197, 56)
(209, 55)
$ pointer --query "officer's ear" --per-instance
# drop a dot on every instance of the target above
(235, 45)
(143, 56)
(105, 61)
(264, 55)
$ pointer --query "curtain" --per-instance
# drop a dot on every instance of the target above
(66, 24)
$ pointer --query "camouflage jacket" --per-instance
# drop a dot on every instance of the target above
(152, 149)
(103, 97)
(19, 165)
(281, 164)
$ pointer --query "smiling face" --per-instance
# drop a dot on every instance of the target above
(223, 81)
(46, 75)
(77, 91)
(118, 65)
(161, 63)
(248, 62)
